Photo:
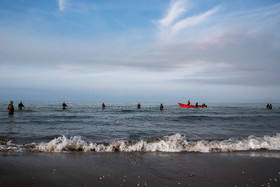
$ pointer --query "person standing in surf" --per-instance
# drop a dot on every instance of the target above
(161, 107)
(20, 105)
(11, 108)
(64, 106)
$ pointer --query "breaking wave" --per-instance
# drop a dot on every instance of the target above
(174, 143)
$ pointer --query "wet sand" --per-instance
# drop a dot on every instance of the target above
(140, 169)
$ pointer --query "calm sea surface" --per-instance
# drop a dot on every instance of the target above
(86, 123)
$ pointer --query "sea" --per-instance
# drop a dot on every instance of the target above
(122, 127)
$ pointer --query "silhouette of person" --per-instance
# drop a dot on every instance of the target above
(64, 106)
(20, 106)
(11, 108)
(161, 107)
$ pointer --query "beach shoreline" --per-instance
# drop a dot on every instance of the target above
(140, 169)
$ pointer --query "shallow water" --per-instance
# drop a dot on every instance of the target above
(85, 124)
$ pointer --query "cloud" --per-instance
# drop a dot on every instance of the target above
(221, 46)
(193, 20)
(176, 9)
(235, 48)
(175, 23)
(62, 4)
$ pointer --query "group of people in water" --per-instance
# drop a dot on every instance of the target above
(269, 106)
(138, 106)
(11, 107)
(64, 106)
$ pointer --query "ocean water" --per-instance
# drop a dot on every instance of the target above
(85, 127)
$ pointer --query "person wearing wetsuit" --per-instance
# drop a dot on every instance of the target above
(161, 107)
(64, 106)
(103, 105)
(138, 106)
(269, 106)
(20, 106)
(11, 108)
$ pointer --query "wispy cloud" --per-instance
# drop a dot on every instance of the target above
(193, 20)
(176, 9)
(175, 21)
(61, 4)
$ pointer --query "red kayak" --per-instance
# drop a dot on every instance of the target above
(190, 106)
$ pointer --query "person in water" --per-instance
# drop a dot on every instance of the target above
(20, 106)
(196, 104)
(103, 105)
(11, 108)
(189, 102)
(64, 106)
(269, 106)
(204, 105)
(161, 107)
(138, 105)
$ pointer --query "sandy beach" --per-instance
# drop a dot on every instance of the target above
(140, 169)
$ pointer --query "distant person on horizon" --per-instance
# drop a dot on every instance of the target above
(20, 105)
(11, 108)
(64, 106)
(161, 107)
(103, 105)
(138, 106)
(189, 102)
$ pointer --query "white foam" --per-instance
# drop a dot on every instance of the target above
(62, 144)
(174, 143)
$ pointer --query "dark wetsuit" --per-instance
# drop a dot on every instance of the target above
(269, 106)
(161, 107)
(11, 109)
(20, 105)
(64, 106)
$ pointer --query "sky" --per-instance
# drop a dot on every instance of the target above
(140, 51)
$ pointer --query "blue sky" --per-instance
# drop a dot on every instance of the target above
(148, 50)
